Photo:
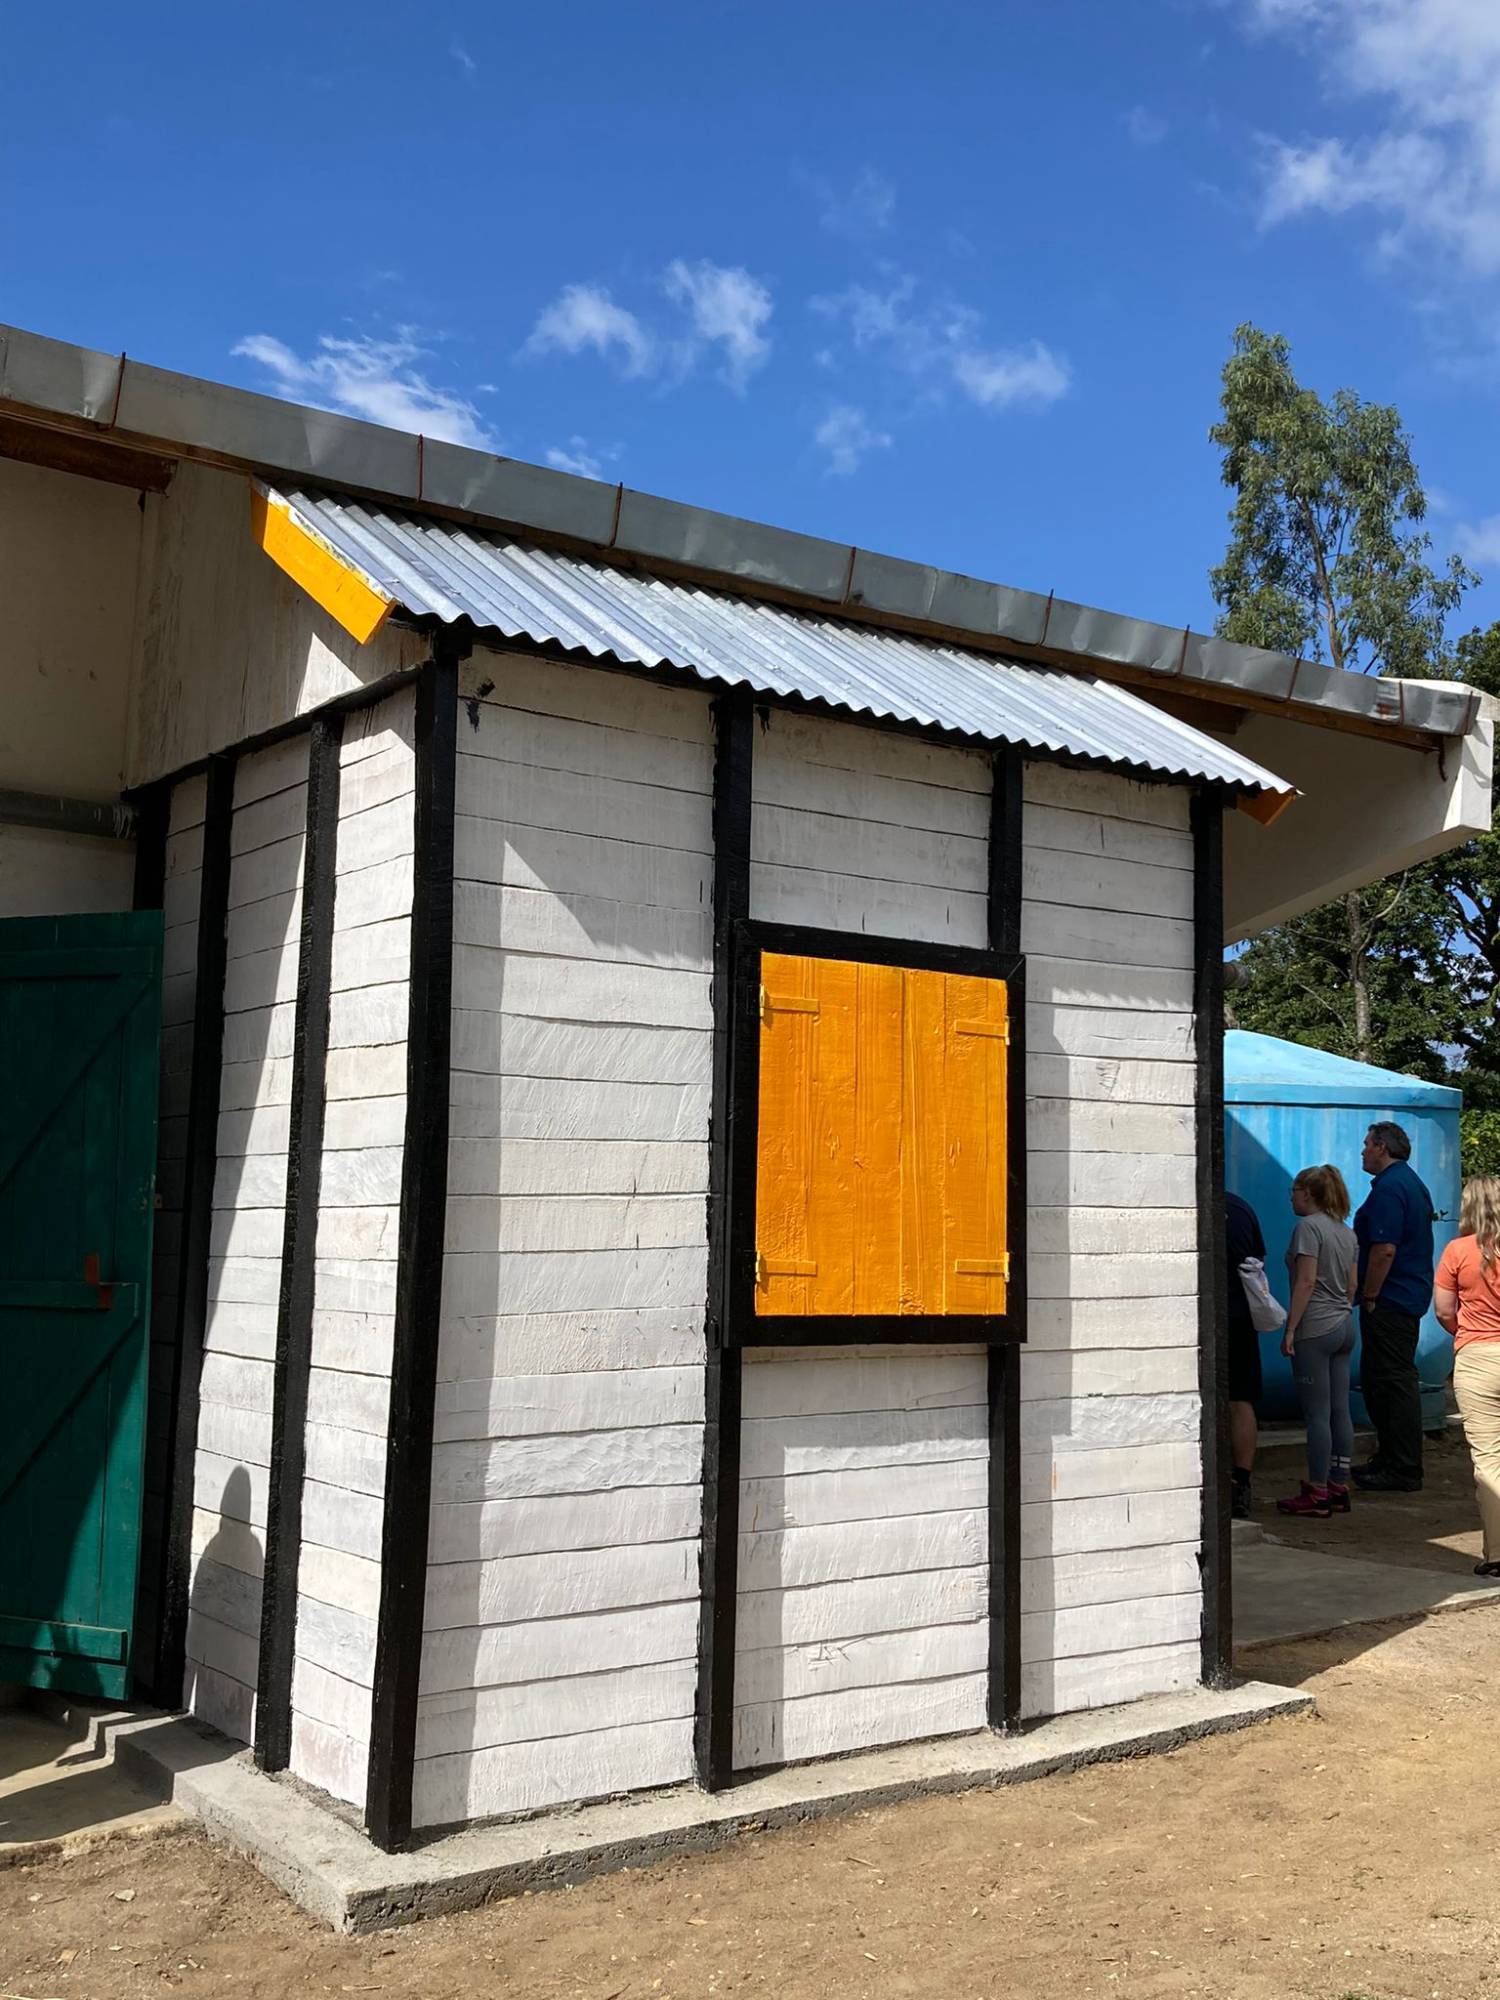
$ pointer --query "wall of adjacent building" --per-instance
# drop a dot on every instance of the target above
(70, 558)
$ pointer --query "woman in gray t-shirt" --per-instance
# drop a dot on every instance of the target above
(1322, 1261)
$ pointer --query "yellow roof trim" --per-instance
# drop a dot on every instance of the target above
(1265, 807)
(328, 578)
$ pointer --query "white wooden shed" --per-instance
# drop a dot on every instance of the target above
(688, 1224)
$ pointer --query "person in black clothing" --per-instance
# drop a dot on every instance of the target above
(1242, 1239)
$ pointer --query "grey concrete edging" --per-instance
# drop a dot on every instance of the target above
(328, 1866)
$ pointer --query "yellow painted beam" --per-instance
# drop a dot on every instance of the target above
(1265, 806)
(327, 578)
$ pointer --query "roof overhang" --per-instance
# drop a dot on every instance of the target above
(126, 405)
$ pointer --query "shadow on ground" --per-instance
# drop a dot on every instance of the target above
(1437, 1528)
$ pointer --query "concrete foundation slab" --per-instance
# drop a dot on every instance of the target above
(329, 1867)
(1287, 1593)
(60, 1786)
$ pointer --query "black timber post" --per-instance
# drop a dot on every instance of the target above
(153, 809)
(278, 1611)
(1213, 1344)
(1005, 857)
(151, 813)
(197, 1224)
(419, 1265)
(713, 1734)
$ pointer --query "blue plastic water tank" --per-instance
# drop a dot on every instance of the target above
(1288, 1107)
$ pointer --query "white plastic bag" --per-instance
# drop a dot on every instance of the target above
(1267, 1313)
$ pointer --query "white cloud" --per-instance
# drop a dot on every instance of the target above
(727, 308)
(369, 377)
(580, 457)
(942, 345)
(846, 435)
(585, 316)
(462, 57)
(1144, 127)
(998, 377)
(1479, 541)
(866, 208)
(876, 317)
(1431, 171)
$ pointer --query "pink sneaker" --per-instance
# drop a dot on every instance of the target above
(1313, 1500)
(1338, 1498)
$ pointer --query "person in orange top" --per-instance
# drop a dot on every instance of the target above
(1466, 1297)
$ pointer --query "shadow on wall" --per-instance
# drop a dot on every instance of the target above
(223, 1631)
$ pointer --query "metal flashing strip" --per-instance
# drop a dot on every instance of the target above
(595, 612)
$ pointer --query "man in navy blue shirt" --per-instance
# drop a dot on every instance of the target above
(1394, 1228)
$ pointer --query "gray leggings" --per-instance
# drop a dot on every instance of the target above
(1320, 1368)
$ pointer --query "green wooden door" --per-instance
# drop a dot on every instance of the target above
(79, 1013)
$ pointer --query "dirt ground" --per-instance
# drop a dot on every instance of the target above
(1350, 1854)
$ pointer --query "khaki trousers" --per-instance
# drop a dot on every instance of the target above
(1476, 1383)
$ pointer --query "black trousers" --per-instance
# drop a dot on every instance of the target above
(1393, 1396)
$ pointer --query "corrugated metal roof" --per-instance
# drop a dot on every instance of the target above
(438, 569)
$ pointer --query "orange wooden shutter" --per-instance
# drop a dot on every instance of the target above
(881, 1146)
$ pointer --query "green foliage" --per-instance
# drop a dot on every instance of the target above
(1464, 887)
(1479, 1138)
(1295, 981)
(1326, 556)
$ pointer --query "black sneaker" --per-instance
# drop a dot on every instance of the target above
(1376, 1479)
(1241, 1507)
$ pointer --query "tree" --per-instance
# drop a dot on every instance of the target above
(1328, 559)
(1463, 888)
(1295, 981)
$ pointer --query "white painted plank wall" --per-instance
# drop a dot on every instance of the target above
(338, 1584)
(183, 876)
(562, 1603)
(863, 1552)
(262, 939)
(1110, 1594)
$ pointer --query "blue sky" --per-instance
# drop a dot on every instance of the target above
(954, 282)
